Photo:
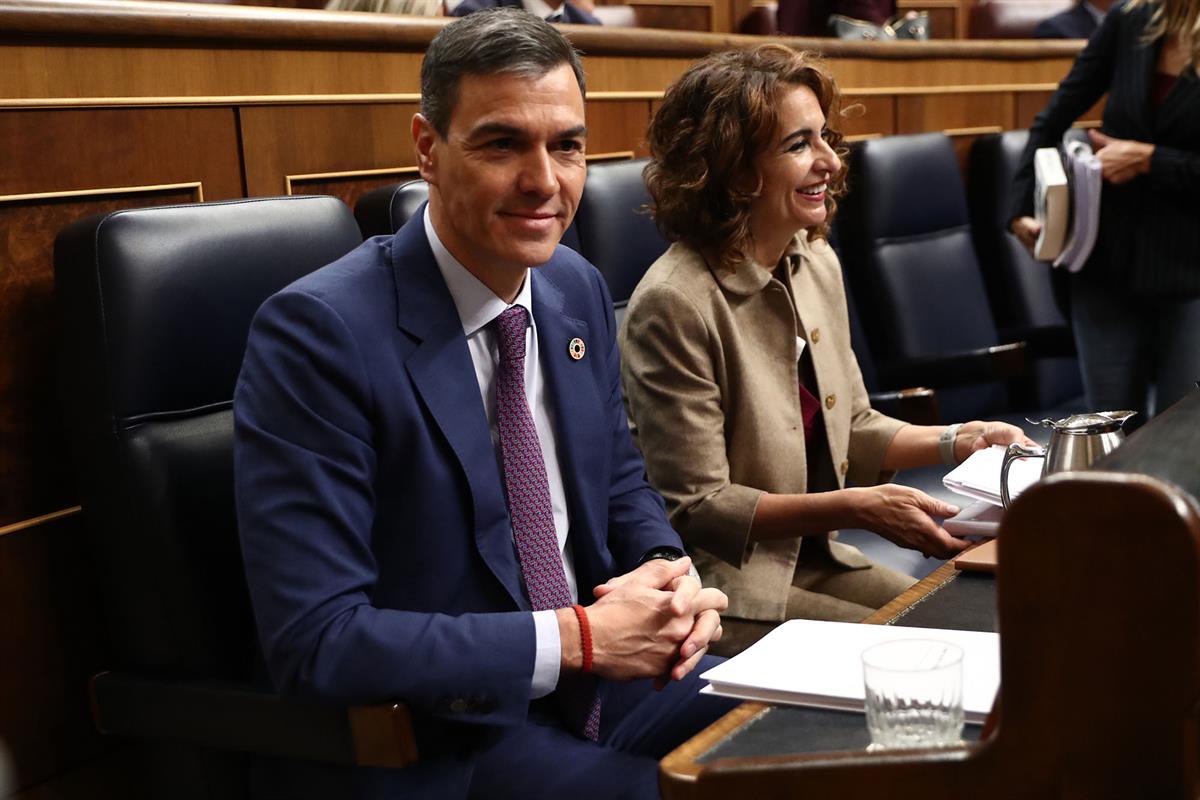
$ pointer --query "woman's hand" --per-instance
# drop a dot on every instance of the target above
(976, 435)
(1121, 160)
(902, 515)
(1026, 229)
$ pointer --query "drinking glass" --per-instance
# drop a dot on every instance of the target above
(913, 693)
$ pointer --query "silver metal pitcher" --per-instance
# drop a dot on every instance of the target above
(1076, 442)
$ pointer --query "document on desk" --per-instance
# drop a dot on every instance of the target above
(818, 664)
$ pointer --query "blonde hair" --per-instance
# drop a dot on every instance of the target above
(1173, 17)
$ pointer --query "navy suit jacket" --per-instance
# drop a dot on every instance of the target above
(371, 507)
(571, 13)
(1148, 241)
(1074, 23)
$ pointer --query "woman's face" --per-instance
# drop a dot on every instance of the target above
(794, 167)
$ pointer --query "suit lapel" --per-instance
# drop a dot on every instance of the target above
(444, 377)
(580, 420)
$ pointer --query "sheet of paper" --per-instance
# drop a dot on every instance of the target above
(979, 476)
(818, 664)
(980, 518)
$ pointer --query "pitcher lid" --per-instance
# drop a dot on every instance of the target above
(1089, 423)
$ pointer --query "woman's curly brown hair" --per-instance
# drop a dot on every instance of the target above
(706, 136)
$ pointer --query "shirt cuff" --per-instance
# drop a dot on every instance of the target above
(548, 655)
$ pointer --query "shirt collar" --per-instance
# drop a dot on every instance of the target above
(477, 305)
(540, 8)
(750, 277)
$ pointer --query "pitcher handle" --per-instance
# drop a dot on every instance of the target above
(1014, 452)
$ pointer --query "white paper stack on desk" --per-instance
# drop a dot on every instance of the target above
(979, 478)
(818, 664)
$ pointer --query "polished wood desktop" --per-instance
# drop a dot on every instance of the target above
(1097, 600)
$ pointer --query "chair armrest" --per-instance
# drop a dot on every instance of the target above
(917, 405)
(1001, 362)
(1043, 341)
(240, 718)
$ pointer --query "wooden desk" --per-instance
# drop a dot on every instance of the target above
(946, 598)
(1098, 607)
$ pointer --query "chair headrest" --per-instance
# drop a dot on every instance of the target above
(386, 209)
(615, 232)
(912, 184)
(161, 298)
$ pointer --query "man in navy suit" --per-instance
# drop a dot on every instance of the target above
(1077, 22)
(549, 10)
(434, 469)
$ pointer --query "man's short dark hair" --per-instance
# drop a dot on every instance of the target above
(500, 40)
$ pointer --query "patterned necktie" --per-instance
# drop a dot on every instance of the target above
(530, 509)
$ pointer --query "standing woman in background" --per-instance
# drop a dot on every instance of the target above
(739, 379)
(1135, 306)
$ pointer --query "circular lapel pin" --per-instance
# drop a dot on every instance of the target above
(576, 348)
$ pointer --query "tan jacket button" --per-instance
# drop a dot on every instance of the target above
(844, 466)
(830, 400)
(815, 336)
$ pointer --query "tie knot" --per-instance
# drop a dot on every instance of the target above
(555, 17)
(511, 326)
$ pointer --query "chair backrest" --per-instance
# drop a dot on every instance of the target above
(1019, 287)
(156, 304)
(1011, 19)
(615, 231)
(384, 211)
(911, 264)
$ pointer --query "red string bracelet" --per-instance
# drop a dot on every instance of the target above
(585, 636)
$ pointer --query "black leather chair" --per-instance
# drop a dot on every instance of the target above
(156, 304)
(615, 231)
(1019, 287)
(907, 250)
(384, 210)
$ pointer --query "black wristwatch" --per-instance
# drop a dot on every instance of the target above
(665, 553)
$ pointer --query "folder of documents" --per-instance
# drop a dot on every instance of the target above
(1084, 176)
(1051, 203)
(818, 664)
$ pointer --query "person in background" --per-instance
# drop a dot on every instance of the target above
(438, 499)
(741, 386)
(1135, 305)
(1077, 22)
(575, 12)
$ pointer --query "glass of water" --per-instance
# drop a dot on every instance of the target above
(913, 693)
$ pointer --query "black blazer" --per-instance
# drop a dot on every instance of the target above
(1149, 240)
(1074, 23)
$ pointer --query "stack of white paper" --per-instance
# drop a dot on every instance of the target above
(979, 476)
(818, 664)
(1086, 182)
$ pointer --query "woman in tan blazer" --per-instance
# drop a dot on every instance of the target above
(741, 386)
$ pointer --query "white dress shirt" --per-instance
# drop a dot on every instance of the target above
(477, 306)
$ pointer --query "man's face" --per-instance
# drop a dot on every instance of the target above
(506, 180)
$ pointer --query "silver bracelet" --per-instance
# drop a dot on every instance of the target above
(946, 444)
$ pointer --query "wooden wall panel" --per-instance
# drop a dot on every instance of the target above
(279, 141)
(52, 644)
(74, 149)
(954, 112)
(618, 126)
(868, 116)
(678, 15)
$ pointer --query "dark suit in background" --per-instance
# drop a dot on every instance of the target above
(1076, 22)
(1137, 322)
(376, 530)
(570, 13)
